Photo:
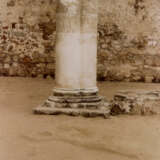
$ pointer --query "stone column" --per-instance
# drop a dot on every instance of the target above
(76, 92)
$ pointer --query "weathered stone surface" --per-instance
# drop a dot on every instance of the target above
(86, 104)
(28, 32)
(124, 102)
(72, 112)
(135, 46)
(136, 102)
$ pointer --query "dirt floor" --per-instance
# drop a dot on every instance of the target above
(24, 136)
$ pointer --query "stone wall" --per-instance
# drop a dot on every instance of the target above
(128, 42)
(27, 37)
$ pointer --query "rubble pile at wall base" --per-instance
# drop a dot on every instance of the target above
(135, 103)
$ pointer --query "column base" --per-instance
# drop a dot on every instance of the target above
(85, 103)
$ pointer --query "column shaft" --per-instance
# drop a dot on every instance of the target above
(68, 47)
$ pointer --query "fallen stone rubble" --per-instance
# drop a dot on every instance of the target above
(136, 103)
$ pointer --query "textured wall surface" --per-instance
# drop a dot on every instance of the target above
(27, 37)
(129, 40)
(128, 46)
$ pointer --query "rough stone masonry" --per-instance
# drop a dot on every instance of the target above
(128, 41)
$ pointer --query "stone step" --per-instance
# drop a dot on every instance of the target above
(73, 112)
(89, 105)
(66, 99)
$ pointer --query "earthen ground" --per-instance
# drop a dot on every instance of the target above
(25, 136)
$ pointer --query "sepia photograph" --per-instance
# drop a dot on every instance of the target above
(79, 79)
